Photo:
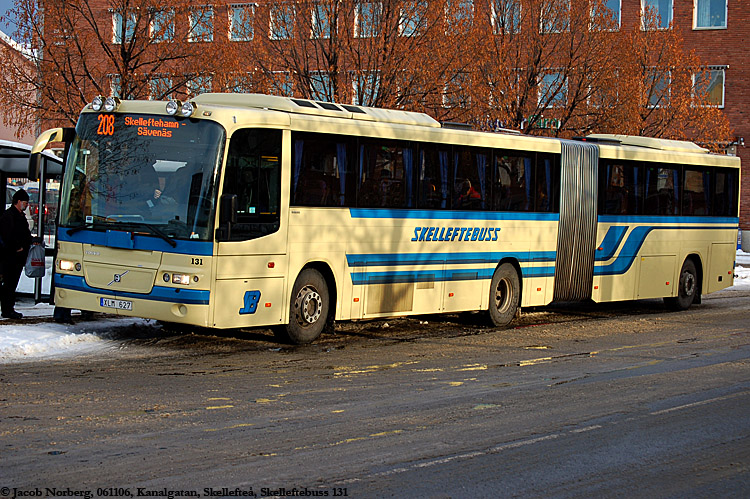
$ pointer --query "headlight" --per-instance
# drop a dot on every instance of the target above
(68, 265)
(187, 109)
(173, 106)
(111, 103)
(97, 103)
(183, 279)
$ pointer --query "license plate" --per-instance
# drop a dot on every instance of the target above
(118, 304)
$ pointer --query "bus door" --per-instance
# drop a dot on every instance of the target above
(251, 261)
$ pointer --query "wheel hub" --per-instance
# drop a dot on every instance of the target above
(502, 296)
(309, 306)
(689, 283)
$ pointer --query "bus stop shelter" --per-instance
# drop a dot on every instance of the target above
(14, 164)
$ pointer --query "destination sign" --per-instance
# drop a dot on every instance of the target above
(147, 127)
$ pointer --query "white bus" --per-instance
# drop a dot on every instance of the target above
(244, 210)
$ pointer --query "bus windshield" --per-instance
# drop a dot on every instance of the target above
(129, 171)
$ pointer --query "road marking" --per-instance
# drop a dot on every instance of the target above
(697, 404)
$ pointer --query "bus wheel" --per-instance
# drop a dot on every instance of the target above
(687, 288)
(308, 311)
(505, 293)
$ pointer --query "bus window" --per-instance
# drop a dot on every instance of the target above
(433, 167)
(725, 189)
(545, 198)
(512, 190)
(323, 167)
(252, 173)
(620, 188)
(386, 174)
(696, 193)
(662, 192)
(470, 178)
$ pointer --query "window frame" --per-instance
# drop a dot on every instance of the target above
(661, 27)
(283, 31)
(197, 31)
(157, 20)
(118, 38)
(565, 88)
(248, 27)
(376, 18)
(695, 16)
(513, 7)
(723, 84)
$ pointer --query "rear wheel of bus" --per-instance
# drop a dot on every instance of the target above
(308, 309)
(505, 294)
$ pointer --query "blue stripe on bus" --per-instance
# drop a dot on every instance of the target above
(413, 276)
(384, 259)
(648, 219)
(633, 245)
(448, 215)
(611, 242)
(158, 293)
(139, 242)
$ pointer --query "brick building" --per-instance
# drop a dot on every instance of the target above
(7, 132)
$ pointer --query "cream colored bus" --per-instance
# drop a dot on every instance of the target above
(237, 210)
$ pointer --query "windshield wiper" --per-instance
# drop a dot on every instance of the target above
(121, 225)
(156, 231)
(78, 228)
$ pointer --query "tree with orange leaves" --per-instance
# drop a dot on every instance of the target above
(81, 48)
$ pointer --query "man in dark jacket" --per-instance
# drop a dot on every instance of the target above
(16, 237)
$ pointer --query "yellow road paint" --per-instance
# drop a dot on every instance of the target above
(215, 407)
(241, 425)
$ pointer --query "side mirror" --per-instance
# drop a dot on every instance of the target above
(228, 209)
(52, 135)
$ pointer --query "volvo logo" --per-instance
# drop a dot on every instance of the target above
(117, 278)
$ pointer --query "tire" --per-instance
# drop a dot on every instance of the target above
(505, 294)
(308, 309)
(687, 288)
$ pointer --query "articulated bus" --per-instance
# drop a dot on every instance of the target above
(245, 210)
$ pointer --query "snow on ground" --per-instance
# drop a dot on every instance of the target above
(21, 342)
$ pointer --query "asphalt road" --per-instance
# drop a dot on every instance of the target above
(596, 400)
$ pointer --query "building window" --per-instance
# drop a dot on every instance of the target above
(605, 16)
(281, 84)
(710, 83)
(162, 25)
(320, 84)
(240, 83)
(199, 85)
(123, 27)
(241, 22)
(413, 18)
(710, 14)
(201, 24)
(459, 15)
(658, 83)
(455, 93)
(555, 16)
(366, 87)
(321, 21)
(506, 16)
(115, 85)
(656, 14)
(553, 90)
(281, 21)
(160, 87)
(367, 19)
